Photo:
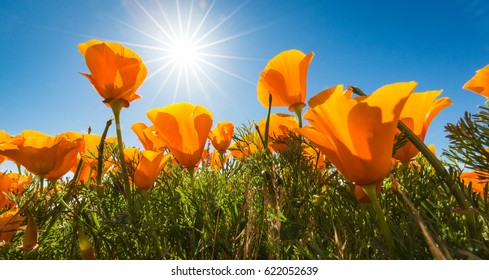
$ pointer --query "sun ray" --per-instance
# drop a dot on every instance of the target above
(189, 21)
(187, 51)
(177, 85)
(225, 71)
(187, 82)
(164, 82)
(179, 16)
(217, 26)
(231, 57)
(201, 85)
(216, 85)
(157, 59)
(220, 41)
(142, 46)
(202, 21)
(139, 31)
(161, 68)
(199, 82)
(166, 20)
(154, 20)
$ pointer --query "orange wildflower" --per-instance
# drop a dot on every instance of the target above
(221, 136)
(4, 137)
(85, 173)
(214, 159)
(217, 159)
(43, 155)
(11, 183)
(248, 145)
(478, 185)
(280, 126)
(146, 165)
(90, 147)
(147, 136)
(357, 134)
(480, 82)
(417, 114)
(184, 127)
(362, 196)
(116, 71)
(284, 78)
(89, 154)
(9, 223)
(316, 158)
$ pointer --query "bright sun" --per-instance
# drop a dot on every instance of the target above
(184, 53)
(185, 38)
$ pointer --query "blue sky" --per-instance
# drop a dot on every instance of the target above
(439, 44)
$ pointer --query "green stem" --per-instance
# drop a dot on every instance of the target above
(264, 139)
(100, 159)
(41, 185)
(221, 159)
(386, 231)
(191, 171)
(77, 172)
(298, 112)
(116, 108)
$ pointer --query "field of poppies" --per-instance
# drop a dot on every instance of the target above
(346, 176)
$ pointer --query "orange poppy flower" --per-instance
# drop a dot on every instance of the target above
(147, 136)
(214, 159)
(417, 114)
(478, 185)
(362, 196)
(248, 145)
(89, 150)
(4, 137)
(90, 147)
(11, 183)
(357, 134)
(316, 158)
(85, 173)
(284, 78)
(2, 159)
(146, 165)
(221, 136)
(480, 82)
(43, 155)
(116, 71)
(279, 127)
(9, 224)
(217, 160)
(184, 127)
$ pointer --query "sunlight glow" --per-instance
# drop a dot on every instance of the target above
(186, 40)
(184, 52)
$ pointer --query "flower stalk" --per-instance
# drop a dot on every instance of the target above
(264, 138)
(100, 159)
(386, 231)
(116, 108)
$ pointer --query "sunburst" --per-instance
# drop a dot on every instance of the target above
(185, 42)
